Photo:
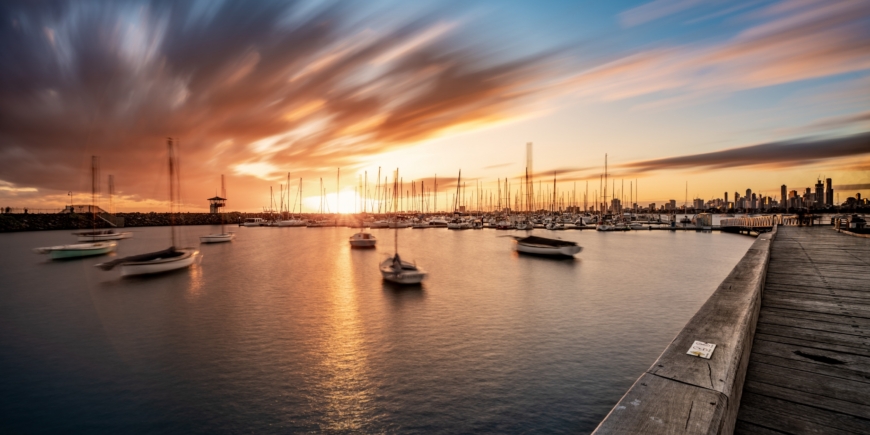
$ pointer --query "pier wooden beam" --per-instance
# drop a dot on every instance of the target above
(682, 393)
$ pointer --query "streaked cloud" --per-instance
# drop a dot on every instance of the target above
(774, 154)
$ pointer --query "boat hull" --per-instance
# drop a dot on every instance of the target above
(550, 251)
(217, 238)
(403, 277)
(363, 243)
(162, 265)
(79, 250)
(104, 237)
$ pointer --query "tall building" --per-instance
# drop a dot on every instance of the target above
(782, 198)
(754, 202)
(820, 194)
(829, 194)
(726, 197)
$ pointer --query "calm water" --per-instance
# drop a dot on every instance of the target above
(289, 330)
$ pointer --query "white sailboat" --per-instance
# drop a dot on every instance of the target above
(166, 260)
(96, 247)
(224, 236)
(394, 269)
(102, 235)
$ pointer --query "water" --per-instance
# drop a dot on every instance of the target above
(289, 330)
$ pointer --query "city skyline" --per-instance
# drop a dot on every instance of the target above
(674, 92)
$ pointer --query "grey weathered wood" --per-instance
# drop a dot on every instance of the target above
(809, 371)
(727, 319)
(658, 405)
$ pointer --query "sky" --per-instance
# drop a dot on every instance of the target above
(687, 98)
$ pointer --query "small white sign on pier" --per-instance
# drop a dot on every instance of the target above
(701, 349)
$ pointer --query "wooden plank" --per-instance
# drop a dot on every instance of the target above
(796, 321)
(814, 306)
(822, 317)
(793, 417)
(809, 399)
(843, 293)
(656, 405)
(836, 364)
(815, 383)
(861, 344)
(744, 427)
(812, 344)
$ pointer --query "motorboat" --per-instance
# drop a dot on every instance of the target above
(102, 235)
(217, 238)
(394, 270)
(253, 222)
(438, 223)
(636, 226)
(419, 225)
(78, 250)
(154, 262)
(363, 239)
(555, 226)
(546, 246)
(292, 223)
(380, 224)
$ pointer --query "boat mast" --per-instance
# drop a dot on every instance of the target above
(224, 195)
(171, 191)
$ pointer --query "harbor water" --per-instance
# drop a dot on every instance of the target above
(288, 330)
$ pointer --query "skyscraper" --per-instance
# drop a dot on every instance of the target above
(783, 199)
(820, 194)
(726, 198)
(829, 194)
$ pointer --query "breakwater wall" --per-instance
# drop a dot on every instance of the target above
(682, 393)
(10, 222)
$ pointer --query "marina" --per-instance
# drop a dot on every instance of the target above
(492, 341)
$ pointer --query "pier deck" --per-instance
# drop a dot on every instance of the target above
(809, 369)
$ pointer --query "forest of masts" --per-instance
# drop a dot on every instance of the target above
(512, 195)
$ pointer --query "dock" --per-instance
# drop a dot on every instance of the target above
(809, 370)
(791, 328)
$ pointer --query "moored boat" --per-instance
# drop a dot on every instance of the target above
(77, 250)
(217, 238)
(153, 262)
(394, 270)
(363, 239)
(102, 235)
(546, 246)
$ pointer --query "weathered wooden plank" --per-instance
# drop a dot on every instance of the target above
(812, 344)
(861, 344)
(815, 383)
(814, 306)
(840, 365)
(791, 417)
(828, 299)
(777, 318)
(843, 293)
(745, 427)
(823, 317)
(770, 389)
(655, 405)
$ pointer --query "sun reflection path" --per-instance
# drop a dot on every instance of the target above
(345, 385)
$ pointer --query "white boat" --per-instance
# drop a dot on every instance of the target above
(637, 227)
(102, 235)
(363, 239)
(217, 238)
(393, 269)
(253, 222)
(292, 223)
(77, 250)
(153, 262)
(419, 225)
(166, 260)
(555, 226)
(380, 224)
(438, 223)
(546, 246)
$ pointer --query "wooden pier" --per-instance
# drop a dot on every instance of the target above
(809, 370)
(791, 325)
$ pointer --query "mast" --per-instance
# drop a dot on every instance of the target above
(337, 188)
(396, 226)
(224, 195)
(171, 191)
(95, 180)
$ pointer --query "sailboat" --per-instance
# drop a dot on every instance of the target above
(169, 259)
(396, 270)
(96, 247)
(546, 246)
(224, 236)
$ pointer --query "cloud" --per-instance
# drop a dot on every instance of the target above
(864, 186)
(250, 89)
(785, 42)
(775, 154)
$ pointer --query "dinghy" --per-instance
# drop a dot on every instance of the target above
(102, 235)
(546, 246)
(393, 269)
(363, 239)
(78, 250)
